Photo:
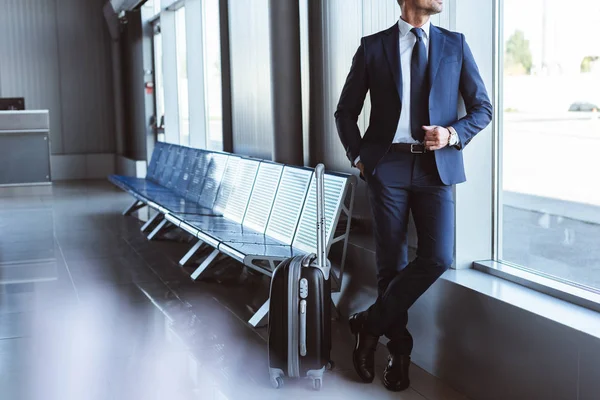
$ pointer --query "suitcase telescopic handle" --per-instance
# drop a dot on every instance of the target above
(321, 223)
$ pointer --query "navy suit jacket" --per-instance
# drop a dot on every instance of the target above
(376, 68)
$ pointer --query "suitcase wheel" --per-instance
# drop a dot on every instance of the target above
(317, 383)
(277, 382)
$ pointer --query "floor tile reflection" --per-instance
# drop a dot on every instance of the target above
(90, 309)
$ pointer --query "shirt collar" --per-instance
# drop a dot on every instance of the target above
(405, 28)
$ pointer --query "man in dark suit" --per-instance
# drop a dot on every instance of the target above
(410, 156)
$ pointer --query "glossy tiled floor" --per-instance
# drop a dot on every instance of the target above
(90, 309)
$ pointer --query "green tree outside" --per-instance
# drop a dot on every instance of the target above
(518, 59)
(586, 64)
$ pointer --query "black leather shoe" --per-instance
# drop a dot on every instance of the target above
(363, 356)
(395, 376)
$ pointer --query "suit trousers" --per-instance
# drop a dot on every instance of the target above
(403, 183)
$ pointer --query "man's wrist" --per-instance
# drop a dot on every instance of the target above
(453, 140)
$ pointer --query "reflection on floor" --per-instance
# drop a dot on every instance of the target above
(90, 309)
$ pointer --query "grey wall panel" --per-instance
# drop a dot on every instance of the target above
(379, 15)
(224, 23)
(491, 350)
(343, 22)
(29, 58)
(132, 55)
(589, 367)
(251, 78)
(85, 77)
(305, 72)
(56, 54)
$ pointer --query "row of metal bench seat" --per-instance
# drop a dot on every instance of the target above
(255, 211)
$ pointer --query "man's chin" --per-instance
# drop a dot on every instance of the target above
(434, 11)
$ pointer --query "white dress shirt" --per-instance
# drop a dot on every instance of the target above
(406, 43)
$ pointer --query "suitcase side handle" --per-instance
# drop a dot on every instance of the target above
(322, 262)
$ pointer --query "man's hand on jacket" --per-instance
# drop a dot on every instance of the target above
(436, 137)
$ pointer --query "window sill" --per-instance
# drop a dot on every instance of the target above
(560, 311)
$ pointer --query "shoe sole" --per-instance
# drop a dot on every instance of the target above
(355, 330)
(393, 388)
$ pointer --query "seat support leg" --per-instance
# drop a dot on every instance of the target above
(348, 212)
(260, 317)
(136, 205)
(202, 267)
(150, 222)
(191, 253)
(157, 229)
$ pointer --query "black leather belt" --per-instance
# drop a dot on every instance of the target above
(409, 148)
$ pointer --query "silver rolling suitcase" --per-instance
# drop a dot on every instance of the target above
(300, 310)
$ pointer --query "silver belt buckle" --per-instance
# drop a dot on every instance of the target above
(412, 149)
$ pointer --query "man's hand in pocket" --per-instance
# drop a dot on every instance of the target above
(361, 168)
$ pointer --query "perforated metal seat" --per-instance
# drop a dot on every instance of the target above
(277, 225)
(305, 237)
(160, 155)
(139, 187)
(159, 147)
(252, 229)
(170, 198)
(144, 187)
(168, 167)
(197, 184)
(336, 186)
(189, 187)
(231, 199)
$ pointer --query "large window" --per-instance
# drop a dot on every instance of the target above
(550, 136)
(182, 78)
(159, 87)
(212, 68)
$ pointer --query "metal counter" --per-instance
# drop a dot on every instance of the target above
(24, 147)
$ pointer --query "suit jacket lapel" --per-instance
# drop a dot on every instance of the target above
(391, 45)
(436, 50)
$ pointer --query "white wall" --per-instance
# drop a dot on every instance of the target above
(474, 215)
